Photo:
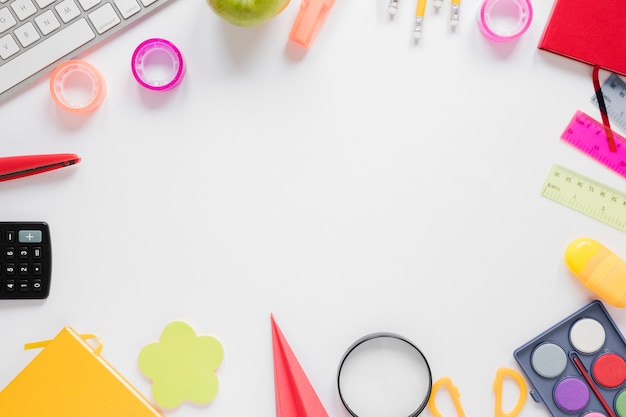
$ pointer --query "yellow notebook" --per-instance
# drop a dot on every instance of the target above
(69, 378)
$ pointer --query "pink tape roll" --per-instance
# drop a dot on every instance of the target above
(157, 64)
(77, 86)
(493, 12)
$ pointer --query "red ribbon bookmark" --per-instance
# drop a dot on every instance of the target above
(603, 112)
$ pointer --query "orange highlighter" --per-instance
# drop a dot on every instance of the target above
(309, 20)
(599, 269)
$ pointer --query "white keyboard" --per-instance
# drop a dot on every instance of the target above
(36, 35)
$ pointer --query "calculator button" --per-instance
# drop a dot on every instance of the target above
(29, 236)
(37, 253)
(9, 253)
(37, 269)
(23, 285)
(9, 285)
(23, 269)
(23, 252)
(10, 236)
(10, 269)
(37, 285)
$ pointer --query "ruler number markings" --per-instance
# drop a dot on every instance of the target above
(586, 196)
(588, 135)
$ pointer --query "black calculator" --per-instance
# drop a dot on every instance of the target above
(25, 260)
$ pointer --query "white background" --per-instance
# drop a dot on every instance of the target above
(367, 184)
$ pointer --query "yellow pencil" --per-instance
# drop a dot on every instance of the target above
(454, 13)
(419, 19)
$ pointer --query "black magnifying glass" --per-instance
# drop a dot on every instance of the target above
(384, 374)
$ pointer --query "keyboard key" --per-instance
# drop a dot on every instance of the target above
(44, 53)
(6, 19)
(47, 22)
(88, 4)
(44, 3)
(68, 10)
(104, 18)
(127, 7)
(8, 46)
(23, 8)
(27, 34)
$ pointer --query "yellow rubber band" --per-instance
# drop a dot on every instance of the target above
(497, 388)
(446, 382)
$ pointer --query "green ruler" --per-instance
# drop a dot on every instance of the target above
(586, 196)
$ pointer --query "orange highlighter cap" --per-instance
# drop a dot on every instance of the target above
(309, 20)
(599, 269)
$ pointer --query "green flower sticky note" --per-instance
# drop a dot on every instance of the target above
(182, 366)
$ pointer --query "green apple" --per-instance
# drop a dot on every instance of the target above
(247, 12)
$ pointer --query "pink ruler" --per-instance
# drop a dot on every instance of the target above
(587, 135)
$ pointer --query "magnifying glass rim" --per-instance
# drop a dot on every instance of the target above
(379, 335)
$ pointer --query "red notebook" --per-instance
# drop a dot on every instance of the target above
(590, 31)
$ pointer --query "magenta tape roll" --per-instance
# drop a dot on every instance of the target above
(157, 64)
(493, 12)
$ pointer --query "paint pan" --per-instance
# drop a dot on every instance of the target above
(578, 366)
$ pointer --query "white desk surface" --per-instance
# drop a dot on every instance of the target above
(369, 184)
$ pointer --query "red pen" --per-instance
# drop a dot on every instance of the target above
(12, 167)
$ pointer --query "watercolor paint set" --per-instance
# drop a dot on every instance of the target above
(577, 367)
